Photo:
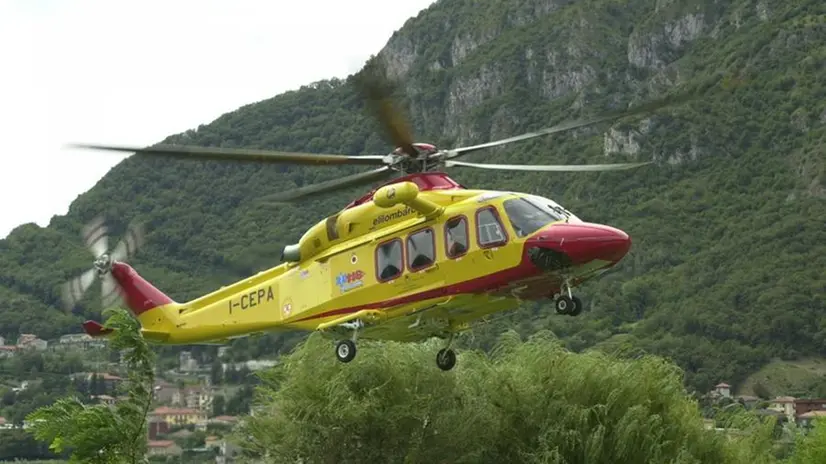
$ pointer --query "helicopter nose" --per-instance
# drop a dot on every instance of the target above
(583, 243)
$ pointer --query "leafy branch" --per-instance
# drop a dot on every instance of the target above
(99, 433)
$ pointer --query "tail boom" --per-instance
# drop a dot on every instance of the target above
(153, 309)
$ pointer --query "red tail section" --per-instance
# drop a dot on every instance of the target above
(95, 329)
(140, 295)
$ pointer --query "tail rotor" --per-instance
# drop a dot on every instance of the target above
(95, 235)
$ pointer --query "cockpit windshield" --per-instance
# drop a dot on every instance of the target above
(530, 213)
(552, 207)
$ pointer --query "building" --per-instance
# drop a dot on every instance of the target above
(197, 398)
(805, 420)
(79, 341)
(163, 448)
(30, 341)
(7, 351)
(224, 420)
(157, 426)
(179, 416)
(187, 362)
(785, 405)
(165, 393)
(723, 389)
(105, 399)
(111, 382)
(805, 405)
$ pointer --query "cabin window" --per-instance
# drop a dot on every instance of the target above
(489, 230)
(389, 260)
(456, 237)
(421, 249)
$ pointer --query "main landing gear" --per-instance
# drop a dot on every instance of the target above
(566, 303)
(445, 359)
(345, 350)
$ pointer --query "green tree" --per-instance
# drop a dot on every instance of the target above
(216, 372)
(811, 448)
(98, 433)
(218, 404)
(528, 402)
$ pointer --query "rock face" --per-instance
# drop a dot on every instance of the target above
(726, 222)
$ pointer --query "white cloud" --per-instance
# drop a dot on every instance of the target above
(134, 73)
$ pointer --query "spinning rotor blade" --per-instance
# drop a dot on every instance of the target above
(129, 244)
(647, 108)
(540, 167)
(95, 236)
(109, 292)
(377, 90)
(238, 154)
(330, 186)
(74, 289)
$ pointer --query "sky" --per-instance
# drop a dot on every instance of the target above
(133, 73)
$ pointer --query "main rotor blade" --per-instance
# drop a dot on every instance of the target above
(240, 154)
(330, 186)
(546, 167)
(377, 91)
(647, 108)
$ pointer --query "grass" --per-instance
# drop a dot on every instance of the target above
(783, 378)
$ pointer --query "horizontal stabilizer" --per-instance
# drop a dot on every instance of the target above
(95, 329)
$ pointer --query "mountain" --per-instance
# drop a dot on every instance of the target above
(728, 265)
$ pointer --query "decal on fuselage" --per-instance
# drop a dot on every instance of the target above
(347, 281)
(251, 299)
(391, 216)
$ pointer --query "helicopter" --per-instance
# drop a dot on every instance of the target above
(417, 257)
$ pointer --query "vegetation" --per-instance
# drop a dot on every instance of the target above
(527, 401)
(101, 433)
(729, 256)
(530, 401)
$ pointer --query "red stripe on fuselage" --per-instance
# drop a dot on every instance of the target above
(583, 243)
(482, 284)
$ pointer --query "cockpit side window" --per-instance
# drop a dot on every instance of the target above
(526, 218)
(389, 260)
(489, 230)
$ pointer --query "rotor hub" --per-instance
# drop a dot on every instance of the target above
(103, 264)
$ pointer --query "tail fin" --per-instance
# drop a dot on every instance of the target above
(140, 295)
(156, 312)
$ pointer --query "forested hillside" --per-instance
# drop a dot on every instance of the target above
(728, 266)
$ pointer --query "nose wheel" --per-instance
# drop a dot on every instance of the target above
(570, 305)
(566, 303)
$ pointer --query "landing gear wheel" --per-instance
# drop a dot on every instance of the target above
(565, 305)
(446, 359)
(577, 308)
(345, 351)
